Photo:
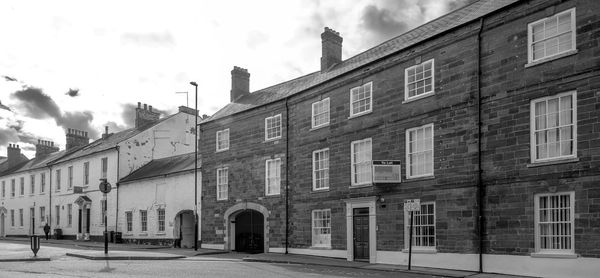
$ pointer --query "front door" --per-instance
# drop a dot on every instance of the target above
(1, 225)
(361, 233)
(79, 222)
(88, 220)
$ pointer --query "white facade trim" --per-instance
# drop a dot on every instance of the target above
(351, 204)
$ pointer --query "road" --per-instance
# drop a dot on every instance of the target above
(223, 265)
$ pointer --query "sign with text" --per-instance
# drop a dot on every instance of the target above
(412, 205)
(386, 171)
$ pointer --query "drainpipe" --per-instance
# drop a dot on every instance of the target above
(287, 165)
(117, 189)
(480, 187)
(49, 220)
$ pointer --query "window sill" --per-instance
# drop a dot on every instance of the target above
(143, 234)
(361, 185)
(161, 234)
(320, 248)
(554, 255)
(419, 97)
(360, 114)
(272, 139)
(273, 195)
(220, 151)
(318, 127)
(420, 251)
(320, 190)
(548, 59)
(128, 234)
(222, 200)
(422, 178)
(553, 162)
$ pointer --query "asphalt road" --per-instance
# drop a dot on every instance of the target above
(199, 266)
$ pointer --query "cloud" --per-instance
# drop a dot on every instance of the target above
(8, 78)
(2, 106)
(72, 92)
(256, 38)
(148, 39)
(381, 23)
(34, 103)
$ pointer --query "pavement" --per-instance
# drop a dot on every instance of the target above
(95, 251)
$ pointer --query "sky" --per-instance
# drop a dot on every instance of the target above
(86, 64)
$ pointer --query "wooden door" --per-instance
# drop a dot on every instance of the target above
(361, 233)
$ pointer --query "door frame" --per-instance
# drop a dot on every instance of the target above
(351, 204)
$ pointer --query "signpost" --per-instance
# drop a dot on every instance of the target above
(35, 244)
(105, 188)
(411, 205)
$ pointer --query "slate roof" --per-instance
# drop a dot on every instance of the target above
(110, 142)
(163, 167)
(35, 163)
(428, 30)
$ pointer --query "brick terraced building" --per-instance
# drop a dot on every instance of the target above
(493, 111)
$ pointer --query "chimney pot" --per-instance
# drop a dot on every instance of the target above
(150, 108)
(145, 106)
(139, 104)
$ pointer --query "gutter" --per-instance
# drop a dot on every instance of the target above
(480, 187)
(49, 220)
(117, 189)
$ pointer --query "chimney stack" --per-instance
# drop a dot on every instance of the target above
(43, 148)
(331, 46)
(240, 83)
(145, 116)
(76, 138)
(105, 135)
(13, 153)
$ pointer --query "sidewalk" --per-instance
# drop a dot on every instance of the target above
(335, 262)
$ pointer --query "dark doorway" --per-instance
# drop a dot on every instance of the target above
(79, 222)
(249, 232)
(87, 223)
(361, 233)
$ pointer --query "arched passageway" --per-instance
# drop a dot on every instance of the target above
(184, 228)
(249, 232)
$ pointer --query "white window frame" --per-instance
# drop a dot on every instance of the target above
(143, 220)
(86, 173)
(218, 139)
(69, 215)
(57, 212)
(42, 183)
(370, 97)
(129, 221)
(530, 42)
(315, 170)
(326, 111)
(353, 163)
(408, 153)
(161, 220)
(277, 179)
(22, 186)
(3, 189)
(538, 249)
(32, 184)
(315, 226)
(222, 194)
(21, 216)
(13, 189)
(104, 168)
(425, 93)
(103, 211)
(70, 177)
(58, 174)
(532, 134)
(416, 225)
(267, 138)
(42, 214)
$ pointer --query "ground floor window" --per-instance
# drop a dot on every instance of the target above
(554, 227)
(423, 227)
(161, 220)
(144, 220)
(321, 228)
(129, 220)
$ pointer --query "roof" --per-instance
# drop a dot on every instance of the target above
(426, 31)
(111, 141)
(162, 167)
(35, 163)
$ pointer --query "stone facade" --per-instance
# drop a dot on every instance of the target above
(484, 170)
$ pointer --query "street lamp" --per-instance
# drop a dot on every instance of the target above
(105, 188)
(195, 168)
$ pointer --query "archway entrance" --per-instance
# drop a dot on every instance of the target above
(184, 228)
(246, 228)
(2, 222)
(249, 232)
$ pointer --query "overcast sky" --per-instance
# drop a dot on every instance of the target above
(86, 64)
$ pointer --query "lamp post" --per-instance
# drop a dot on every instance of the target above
(105, 188)
(195, 168)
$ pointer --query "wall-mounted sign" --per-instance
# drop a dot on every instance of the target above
(386, 171)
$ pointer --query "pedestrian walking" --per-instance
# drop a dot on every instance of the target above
(47, 230)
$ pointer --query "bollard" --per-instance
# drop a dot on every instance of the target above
(35, 244)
